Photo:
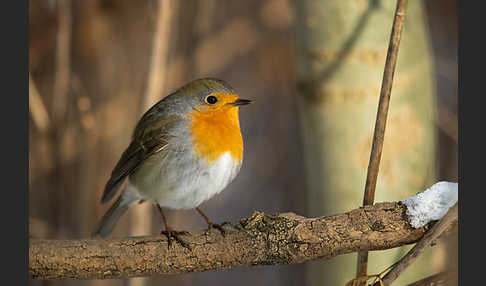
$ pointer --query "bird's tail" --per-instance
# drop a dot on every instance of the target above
(119, 207)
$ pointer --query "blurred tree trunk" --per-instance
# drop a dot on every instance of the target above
(342, 48)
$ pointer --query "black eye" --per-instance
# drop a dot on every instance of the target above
(211, 99)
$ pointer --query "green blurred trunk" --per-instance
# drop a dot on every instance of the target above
(342, 48)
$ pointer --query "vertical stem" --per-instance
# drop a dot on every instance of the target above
(59, 103)
(380, 124)
(160, 51)
(155, 87)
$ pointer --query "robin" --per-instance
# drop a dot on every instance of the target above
(185, 149)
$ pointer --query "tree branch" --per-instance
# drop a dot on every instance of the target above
(259, 240)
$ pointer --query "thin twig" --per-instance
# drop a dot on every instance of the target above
(380, 124)
(429, 237)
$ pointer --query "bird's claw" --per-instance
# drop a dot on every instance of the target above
(175, 235)
(218, 227)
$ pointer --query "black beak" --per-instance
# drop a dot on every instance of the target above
(240, 101)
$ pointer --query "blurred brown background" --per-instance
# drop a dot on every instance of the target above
(90, 66)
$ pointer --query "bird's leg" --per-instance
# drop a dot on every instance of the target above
(172, 233)
(211, 224)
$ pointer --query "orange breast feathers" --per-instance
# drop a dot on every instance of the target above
(215, 132)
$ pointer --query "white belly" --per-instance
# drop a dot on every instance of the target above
(188, 183)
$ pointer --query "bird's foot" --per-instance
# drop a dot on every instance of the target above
(218, 227)
(175, 235)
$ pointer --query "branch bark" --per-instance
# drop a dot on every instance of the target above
(259, 240)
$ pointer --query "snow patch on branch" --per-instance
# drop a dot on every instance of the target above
(431, 204)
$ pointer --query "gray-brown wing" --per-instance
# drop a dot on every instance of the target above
(129, 161)
(147, 140)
